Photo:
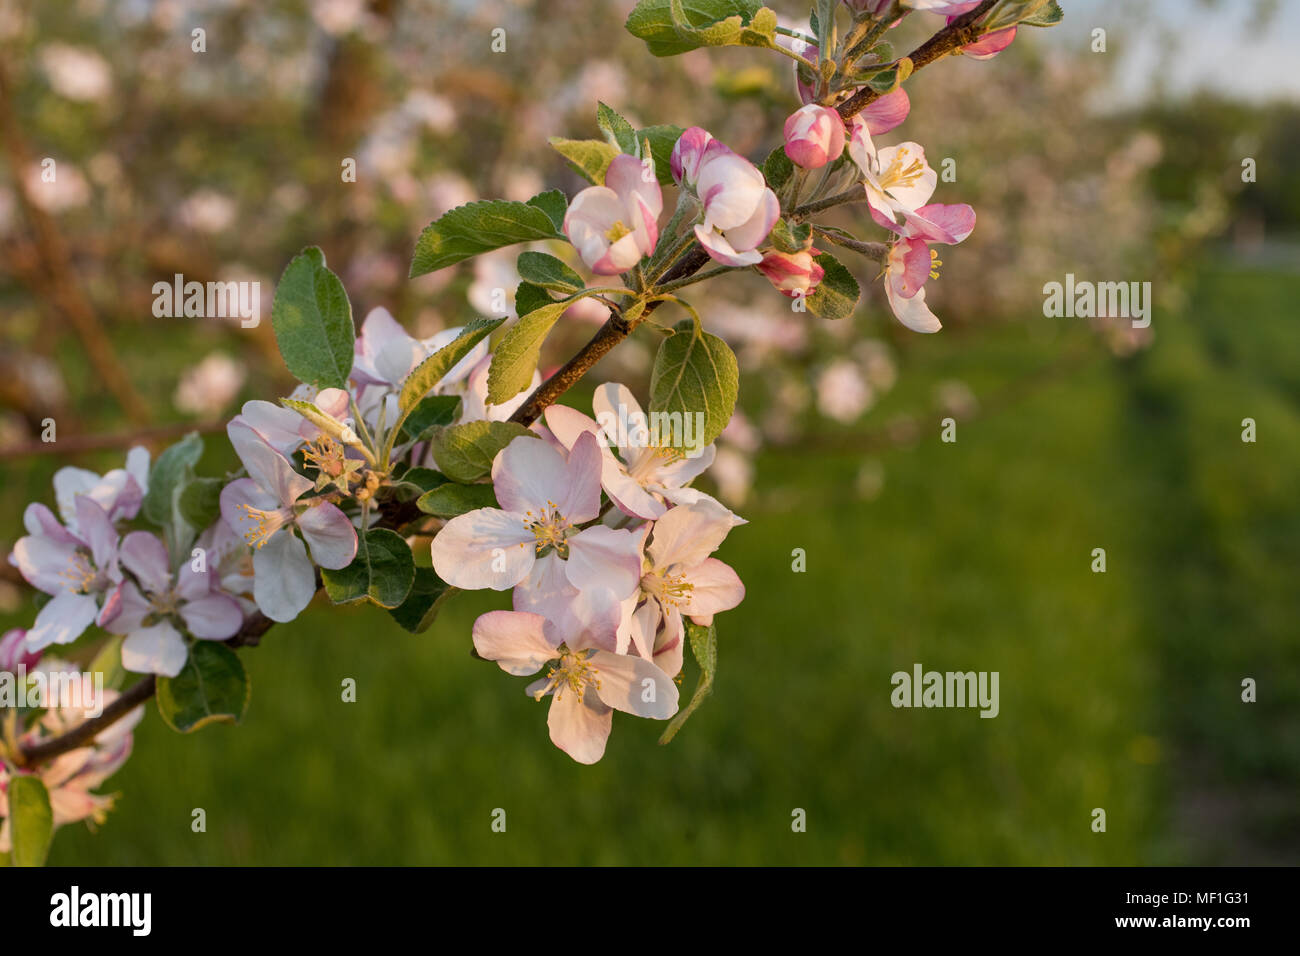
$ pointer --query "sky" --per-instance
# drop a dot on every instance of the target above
(1248, 49)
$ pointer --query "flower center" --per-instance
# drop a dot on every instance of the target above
(550, 529)
(935, 263)
(617, 231)
(573, 672)
(81, 575)
(670, 589)
(263, 524)
(902, 171)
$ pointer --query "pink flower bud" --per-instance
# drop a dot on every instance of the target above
(14, 653)
(792, 274)
(814, 136)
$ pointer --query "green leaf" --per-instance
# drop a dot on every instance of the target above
(695, 372)
(519, 351)
(431, 371)
(1048, 16)
(530, 298)
(704, 646)
(312, 319)
(212, 688)
(837, 294)
(791, 239)
(479, 227)
(200, 501)
(777, 168)
(451, 499)
(554, 204)
(589, 157)
(670, 27)
(422, 605)
(170, 473)
(108, 661)
(662, 139)
(548, 272)
(618, 131)
(426, 479)
(31, 820)
(465, 452)
(431, 412)
(382, 571)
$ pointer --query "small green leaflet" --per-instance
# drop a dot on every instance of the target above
(518, 352)
(618, 131)
(465, 452)
(704, 646)
(382, 571)
(431, 371)
(478, 227)
(589, 157)
(31, 820)
(670, 27)
(451, 499)
(312, 319)
(548, 272)
(421, 606)
(836, 296)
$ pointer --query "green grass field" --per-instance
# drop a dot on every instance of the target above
(1118, 690)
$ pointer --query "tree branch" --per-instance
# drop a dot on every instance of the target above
(955, 35)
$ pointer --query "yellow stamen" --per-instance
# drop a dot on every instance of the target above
(266, 523)
(550, 529)
(573, 671)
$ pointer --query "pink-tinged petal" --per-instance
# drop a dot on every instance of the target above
(14, 653)
(40, 520)
(635, 686)
(693, 496)
(688, 534)
(602, 557)
(192, 585)
(280, 427)
(636, 629)
(266, 466)
(751, 233)
(628, 494)
(97, 531)
(913, 312)
(669, 644)
(485, 548)
(567, 424)
(619, 257)
(861, 148)
(515, 640)
(69, 484)
(112, 605)
(63, 620)
(155, 650)
(916, 191)
(645, 225)
(580, 494)
(588, 221)
(213, 618)
(334, 402)
(580, 726)
(720, 250)
(731, 188)
(715, 587)
(133, 608)
(284, 580)
(687, 153)
(43, 561)
(146, 557)
(618, 413)
(529, 476)
(330, 534)
(886, 113)
(625, 176)
(908, 267)
(137, 466)
(580, 618)
(990, 45)
(940, 222)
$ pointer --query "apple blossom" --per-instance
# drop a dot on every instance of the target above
(586, 684)
(156, 605)
(615, 225)
(638, 475)
(575, 576)
(14, 653)
(680, 578)
(739, 209)
(897, 179)
(814, 136)
(118, 492)
(265, 508)
(793, 274)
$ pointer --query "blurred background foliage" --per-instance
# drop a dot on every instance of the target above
(1118, 691)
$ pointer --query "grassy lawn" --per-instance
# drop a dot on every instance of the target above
(1118, 690)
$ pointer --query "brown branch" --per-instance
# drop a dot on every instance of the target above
(88, 730)
(63, 290)
(955, 35)
(615, 330)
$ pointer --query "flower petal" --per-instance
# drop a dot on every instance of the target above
(155, 650)
(580, 726)
(330, 534)
(514, 639)
(213, 618)
(484, 548)
(635, 686)
(603, 557)
(283, 578)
